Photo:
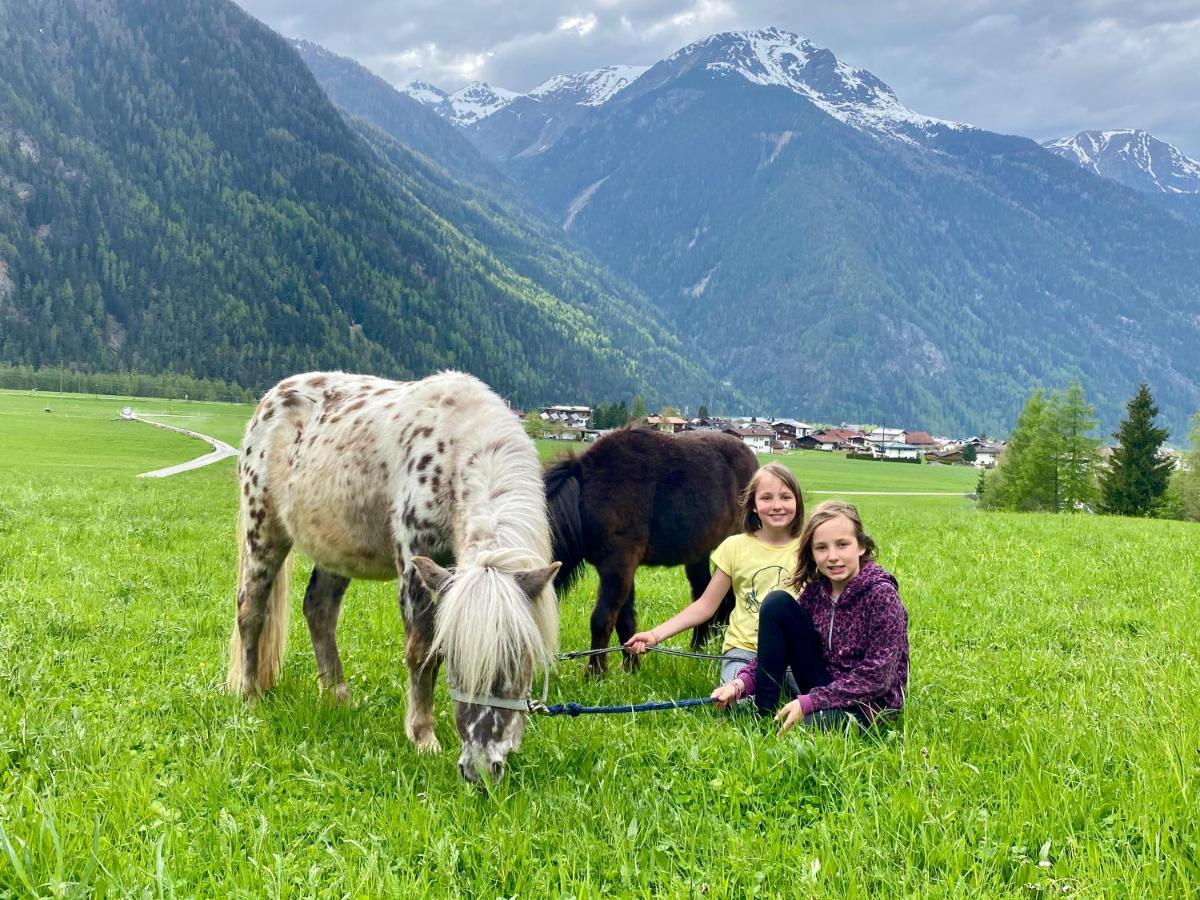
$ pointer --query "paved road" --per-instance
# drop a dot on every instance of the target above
(220, 451)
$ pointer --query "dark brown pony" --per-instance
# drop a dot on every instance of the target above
(639, 497)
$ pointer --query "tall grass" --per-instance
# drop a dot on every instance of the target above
(1049, 746)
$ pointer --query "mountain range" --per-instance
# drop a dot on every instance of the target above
(750, 222)
(850, 258)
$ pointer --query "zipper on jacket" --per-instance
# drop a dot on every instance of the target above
(832, 616)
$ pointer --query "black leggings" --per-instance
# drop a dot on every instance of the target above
(786, 637)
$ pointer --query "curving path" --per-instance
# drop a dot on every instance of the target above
(220, 451)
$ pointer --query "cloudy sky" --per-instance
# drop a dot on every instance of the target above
(1031, 67)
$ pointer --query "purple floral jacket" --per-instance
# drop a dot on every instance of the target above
(864, 639)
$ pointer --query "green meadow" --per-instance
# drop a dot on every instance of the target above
(1049, 747)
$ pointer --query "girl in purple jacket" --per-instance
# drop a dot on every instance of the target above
(845, 637)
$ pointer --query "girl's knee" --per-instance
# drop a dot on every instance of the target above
(779, 606)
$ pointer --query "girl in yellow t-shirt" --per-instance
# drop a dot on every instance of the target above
(753, 563)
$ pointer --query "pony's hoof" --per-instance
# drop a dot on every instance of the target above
(594, 669)
(338, 695)
(249, 693)
(428, 743)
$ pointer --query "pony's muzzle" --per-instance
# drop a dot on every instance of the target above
(473, 768)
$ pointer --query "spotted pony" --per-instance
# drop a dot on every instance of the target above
(383, 479)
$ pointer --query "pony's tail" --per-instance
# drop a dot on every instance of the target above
(272, 642)
(563, 481)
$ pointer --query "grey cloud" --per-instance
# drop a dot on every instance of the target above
(1022, 67)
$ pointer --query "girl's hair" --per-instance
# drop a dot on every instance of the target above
(806, 568)
(750, 520)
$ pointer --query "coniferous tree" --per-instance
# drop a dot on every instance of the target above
(1050, 459)
(1137, 477)
(1023, 480)
(1077, 457)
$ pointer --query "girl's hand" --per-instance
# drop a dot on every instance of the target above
(790, 714)
(726, 694)
(640, 641)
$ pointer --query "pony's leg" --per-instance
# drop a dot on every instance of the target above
(627, 628)
(416, 605)
(260, 629)
(616, 587)
(698, 578)
(322, 605)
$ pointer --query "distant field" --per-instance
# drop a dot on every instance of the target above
(1049, 747)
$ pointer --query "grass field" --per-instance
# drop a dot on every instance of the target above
(1050, 746)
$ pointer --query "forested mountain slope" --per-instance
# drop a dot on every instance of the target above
(178, 194)
(494, 211)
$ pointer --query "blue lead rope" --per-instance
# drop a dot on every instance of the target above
(575, 709)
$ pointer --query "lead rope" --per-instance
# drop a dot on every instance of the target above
(539, 707)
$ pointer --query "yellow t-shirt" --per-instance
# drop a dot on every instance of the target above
(755, 569)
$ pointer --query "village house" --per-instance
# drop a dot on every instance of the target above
(757, 437)
(986, 452)
(667, 424)
(881, 436)
(831, 439)
(922, 440)
(575, 417)
(946, 455)
(898, 450)
(788, 431)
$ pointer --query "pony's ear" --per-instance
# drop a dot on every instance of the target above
(431, 574)
(534, 581)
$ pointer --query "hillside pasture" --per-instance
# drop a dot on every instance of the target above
(1049, 746)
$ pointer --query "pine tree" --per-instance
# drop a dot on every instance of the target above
(1051, 456)
(1137, 477)
(1077, 457)
(1024, 479)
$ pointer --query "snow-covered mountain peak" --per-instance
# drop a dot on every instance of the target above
(476, 101)
(424, 92)
(1133, 157)
(771, 56)
(588, 88)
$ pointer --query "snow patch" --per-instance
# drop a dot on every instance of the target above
(697, 289)
(780, 142)
(581, 201)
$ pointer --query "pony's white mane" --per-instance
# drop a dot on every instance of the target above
(487, 627)
(489, 630)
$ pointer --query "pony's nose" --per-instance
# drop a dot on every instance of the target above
(472, 772)
(468, 771)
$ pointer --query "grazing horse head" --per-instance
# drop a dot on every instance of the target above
(493, 629)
